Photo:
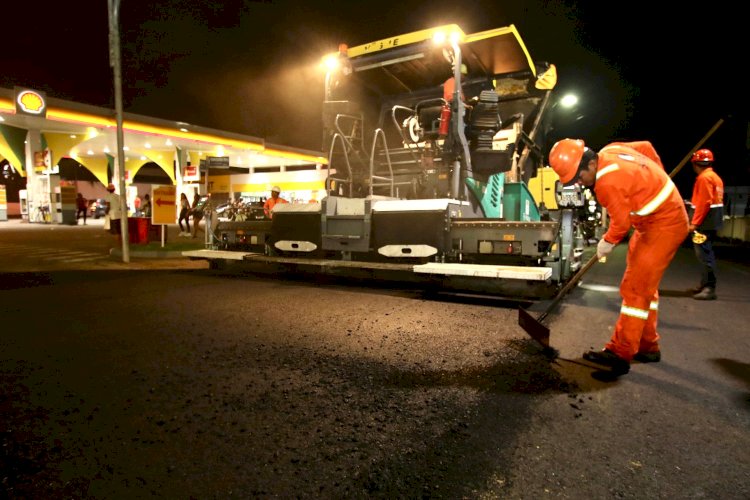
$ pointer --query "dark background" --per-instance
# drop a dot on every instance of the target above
(252, 66)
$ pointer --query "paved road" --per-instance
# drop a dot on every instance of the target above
(131, 380)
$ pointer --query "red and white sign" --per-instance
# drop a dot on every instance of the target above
(191, 173)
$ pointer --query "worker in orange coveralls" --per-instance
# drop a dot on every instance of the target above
(449, 86)
(271, 202)
(707, 218)
(629, 180)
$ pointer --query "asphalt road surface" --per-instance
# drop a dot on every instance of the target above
(165, 379)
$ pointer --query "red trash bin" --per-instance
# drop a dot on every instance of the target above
(138, 230)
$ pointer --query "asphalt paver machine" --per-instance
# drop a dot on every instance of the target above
(431, 183)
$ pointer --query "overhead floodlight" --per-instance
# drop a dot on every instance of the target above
(439, 37)
(569, 100)
(331, 62)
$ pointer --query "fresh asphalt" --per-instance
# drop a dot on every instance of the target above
(199, 383)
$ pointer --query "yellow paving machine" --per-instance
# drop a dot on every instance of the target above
(433, 140)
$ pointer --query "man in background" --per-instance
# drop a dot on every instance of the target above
(708, 214)
(274, 200)
(112, 201)
(82, 206)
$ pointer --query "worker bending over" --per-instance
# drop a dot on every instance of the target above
(630, 182)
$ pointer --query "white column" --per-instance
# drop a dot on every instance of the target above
(37, 190)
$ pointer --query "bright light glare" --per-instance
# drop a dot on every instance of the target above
(569, 100)
(331, 62)
(455, 37)
(439, 37)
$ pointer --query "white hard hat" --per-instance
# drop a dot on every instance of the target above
(276, 189)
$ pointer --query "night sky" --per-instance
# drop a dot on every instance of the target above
(252, 66)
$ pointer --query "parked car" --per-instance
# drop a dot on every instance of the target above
(97, 208)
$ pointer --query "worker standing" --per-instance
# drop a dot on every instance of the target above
(707, 218)
(273, 201)
(630, 181)
(449, 86)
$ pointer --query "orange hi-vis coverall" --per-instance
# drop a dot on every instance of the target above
(270, 203)
(632, 184)
(708, 200)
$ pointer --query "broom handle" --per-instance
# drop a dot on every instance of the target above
(695, 148)
(575, 279)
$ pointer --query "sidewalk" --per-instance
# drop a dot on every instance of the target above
(173, 246)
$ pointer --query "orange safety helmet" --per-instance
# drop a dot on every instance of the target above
(703, 157)
(565, 157)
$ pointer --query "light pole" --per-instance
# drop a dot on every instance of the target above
(114, 61)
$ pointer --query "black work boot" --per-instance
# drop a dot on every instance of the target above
(648, 357)
(706, 294)
(606, 357)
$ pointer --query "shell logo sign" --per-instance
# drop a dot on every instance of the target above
(30, 102)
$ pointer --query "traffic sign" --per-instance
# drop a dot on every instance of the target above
(163, 201)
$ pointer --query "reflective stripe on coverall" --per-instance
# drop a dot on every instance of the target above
(632, 184)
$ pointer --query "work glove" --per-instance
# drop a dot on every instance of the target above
(604, 248)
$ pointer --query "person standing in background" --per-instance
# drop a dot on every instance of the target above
(707, 218)
(197, 213)
(274, 200)
(449, 86)
(184, 215)
(137, 205)
(112, 201)
(146, 205)
(82, 206)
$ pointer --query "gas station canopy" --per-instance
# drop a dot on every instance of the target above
(87, 134)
